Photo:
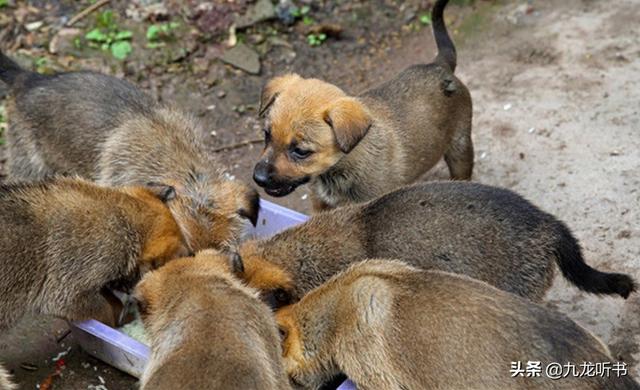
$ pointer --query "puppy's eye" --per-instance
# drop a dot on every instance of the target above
(300, 154)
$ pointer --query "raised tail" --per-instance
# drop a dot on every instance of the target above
(9, 69)
(446, 50)
(572, 265)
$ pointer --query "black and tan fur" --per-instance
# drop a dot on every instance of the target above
(353, 149)
(484, 232)
(390, 326)
(105, 129)
(66, 243)
(207, 330)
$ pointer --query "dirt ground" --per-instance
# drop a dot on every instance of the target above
(556, 92)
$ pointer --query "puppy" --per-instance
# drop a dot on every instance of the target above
(485, 232)
(105, 129)
(66, 243)
(352, 149)
(5, 380)
(207, 330)
(387, 325)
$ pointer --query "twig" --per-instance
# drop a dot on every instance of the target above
(86, 12)
(239, 145)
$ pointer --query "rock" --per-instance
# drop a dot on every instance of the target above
(63, 40)
(285, 12)
(242, 57)
(260, 11)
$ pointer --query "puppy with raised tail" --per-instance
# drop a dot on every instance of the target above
(352, 149)
(207, 330)
(390, 326)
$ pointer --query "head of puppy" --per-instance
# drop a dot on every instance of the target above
(309, 126)
(177, 282)
(213, 212)
(274, 283)
(163, 239)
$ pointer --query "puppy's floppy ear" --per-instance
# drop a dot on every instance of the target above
(349, 120)
(272, 89)
(163, 192)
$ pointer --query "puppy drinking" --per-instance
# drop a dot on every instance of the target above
(67, 242)
(105, 129)
(352, 149)
(387, 325)
(484, 232)
(207, 330)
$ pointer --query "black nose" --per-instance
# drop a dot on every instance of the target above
(262, 174)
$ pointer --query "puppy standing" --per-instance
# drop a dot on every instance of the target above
(390, 326)
(207, 330)
(66, 243)
(105, 129)
(484, 232)
(353, 149)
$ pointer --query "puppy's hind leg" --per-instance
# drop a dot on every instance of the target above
(459, 155)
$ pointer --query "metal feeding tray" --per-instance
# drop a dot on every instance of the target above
(121, 351)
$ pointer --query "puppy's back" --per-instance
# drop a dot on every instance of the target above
(208, 331)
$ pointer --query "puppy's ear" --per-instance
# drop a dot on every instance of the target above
(350, 122)
(163, 192)
(236, 264)
(272, 89)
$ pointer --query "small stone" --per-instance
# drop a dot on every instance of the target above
(624, 234)
(260, 11)
(242, 57)
(221, 94)
(507, 106)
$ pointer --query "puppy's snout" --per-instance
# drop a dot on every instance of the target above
(262, 173)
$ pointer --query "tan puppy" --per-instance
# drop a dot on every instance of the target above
(5, 380)
(105, 129)
(207, 330)
(390, 326)
(488, 233)
(66, 243)
(352, 149)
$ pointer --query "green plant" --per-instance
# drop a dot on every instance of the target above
(316, 39)
(425, 19)
(158, 33)
(108, 36)
(4, 3)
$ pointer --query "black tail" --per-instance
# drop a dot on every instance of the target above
(446, 50)
(9, 70)
(571, 263)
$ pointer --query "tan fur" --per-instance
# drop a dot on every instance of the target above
(105, 129)
(484, 232)
(390, 326)
(67, 242)
(207, 330)
(367, 145)
(5, 380)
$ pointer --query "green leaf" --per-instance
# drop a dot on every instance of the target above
(121, 49)
(105, 19)
(122, 35)
(4, 3)
(305, 10)
(425, 19)
(295, 12)
(307, 20)
(155, 45)
(96, 35)
(153, 31)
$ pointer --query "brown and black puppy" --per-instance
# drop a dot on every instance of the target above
(5, 380)
(207, 330)
(105, 129)
(353, 149)
(66, 243)
(390, 326)
(484, 232)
